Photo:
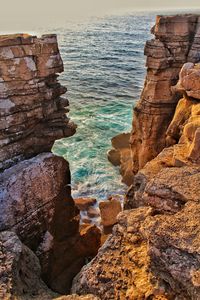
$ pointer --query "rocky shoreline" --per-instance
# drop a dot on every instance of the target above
(154, 249)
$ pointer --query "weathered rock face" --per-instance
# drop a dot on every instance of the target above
(174, 249)
(31, 105)
(120, 270)
(172, 178)
(176, 42)
(35, 194)
(20, 271)
(154, 251)
(35, 198)
(36, 203)
(109, 211)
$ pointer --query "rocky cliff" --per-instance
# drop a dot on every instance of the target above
(154, 250)
(36, 207)
(31, 104)
(177, 40)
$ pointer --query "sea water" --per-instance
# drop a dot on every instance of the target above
(104, 73)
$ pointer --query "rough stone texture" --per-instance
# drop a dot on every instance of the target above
(120, 270)
(31, 105)
(174, 243)
(36, 203)
(154, 250)
(189, 80)
(172, 178)
(35, 198)
(176, 42)
(20, 271)
(35, 194)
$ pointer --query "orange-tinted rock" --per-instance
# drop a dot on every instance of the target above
(121, 268)
(189, 80)
(84, 203)
(109, 211)
(30, 97)
(175, 36)
(174, 249)
(120, 155)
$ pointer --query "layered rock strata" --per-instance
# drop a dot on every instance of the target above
(176, 42)
(31, 105)
(35, 194)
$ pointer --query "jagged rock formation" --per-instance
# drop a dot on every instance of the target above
(20, 271)
(177, 40)
(120, 270)
(35, 194)
(30, 97)
(154, 251)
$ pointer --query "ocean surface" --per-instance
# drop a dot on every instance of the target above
(104, 73)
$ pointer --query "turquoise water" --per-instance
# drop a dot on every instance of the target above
(104, 73)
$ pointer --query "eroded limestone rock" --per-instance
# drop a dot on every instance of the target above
(20, 272)
(121, 268)
(30, 97)
(176, 43)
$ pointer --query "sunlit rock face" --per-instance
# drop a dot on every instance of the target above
(154, 250)
(31, 106)
(35, 193)
(176, 42)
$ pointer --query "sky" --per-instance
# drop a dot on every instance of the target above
(27, 14)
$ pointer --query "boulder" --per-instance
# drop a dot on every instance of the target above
(20, 271)
(84, 203)
(109, 211)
